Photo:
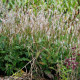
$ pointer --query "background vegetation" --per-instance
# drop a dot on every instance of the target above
(44, 30)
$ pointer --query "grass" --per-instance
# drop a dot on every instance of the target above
(41, 31)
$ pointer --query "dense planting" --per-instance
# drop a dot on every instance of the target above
(46, 32)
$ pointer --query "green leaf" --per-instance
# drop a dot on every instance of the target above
(0, 21)
(24, 59)
(3, 1)
(17, 47)
(3, 52)
(37, 54)
(52, 68)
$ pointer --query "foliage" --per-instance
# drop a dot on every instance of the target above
(41, 29)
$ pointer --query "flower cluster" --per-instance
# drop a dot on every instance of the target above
(75, 53)
(71, 62)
